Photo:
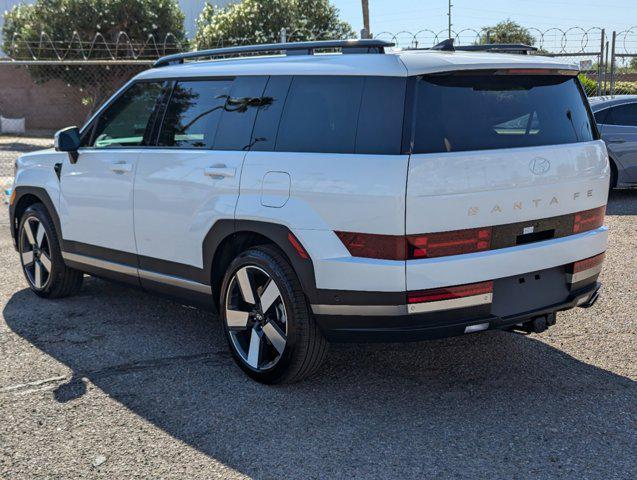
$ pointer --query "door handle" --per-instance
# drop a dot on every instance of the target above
(220, 171)
(121, 167)
(616, 140)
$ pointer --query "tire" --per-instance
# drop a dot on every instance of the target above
(41, 257)
(282, 344)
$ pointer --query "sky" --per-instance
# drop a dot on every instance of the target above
(414, 15)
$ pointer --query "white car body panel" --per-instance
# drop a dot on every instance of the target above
(96, 200)
(176, 203)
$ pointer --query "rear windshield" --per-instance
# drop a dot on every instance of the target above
(455, 113)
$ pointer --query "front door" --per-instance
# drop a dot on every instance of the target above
(96, 200)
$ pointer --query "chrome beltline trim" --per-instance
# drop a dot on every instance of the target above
(132, 271)
(175, 281)
(391, 310)
(584, 274)
(104, 264)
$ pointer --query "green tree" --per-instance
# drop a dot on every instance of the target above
(508, 31)
(260, 21)
(67, 28)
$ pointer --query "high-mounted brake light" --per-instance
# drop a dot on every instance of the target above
(535, 71)
(588, 219)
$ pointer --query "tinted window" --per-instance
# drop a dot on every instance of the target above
(237, 119)
(623, 115)
(476, 112)
(193, 113)
(320, 115)
(600, 117)
(380, 121)
(269, 116)
(124, 122)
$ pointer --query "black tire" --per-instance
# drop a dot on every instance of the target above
(55, 279)
(304, 349)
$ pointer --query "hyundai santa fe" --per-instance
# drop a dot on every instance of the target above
(330, 191)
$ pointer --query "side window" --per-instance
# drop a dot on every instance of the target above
(625, 115)
(269, 116)
(321, 114)
(193, 113)
(124, 122)
(380, 121)
(600, 117)
(237, 119)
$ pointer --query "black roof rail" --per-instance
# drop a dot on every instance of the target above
(292, 48)
(520, 48)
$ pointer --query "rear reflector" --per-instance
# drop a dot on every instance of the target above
(589, 219)
(447, 298)
(448, 293)
(297, 246)
(583, 269)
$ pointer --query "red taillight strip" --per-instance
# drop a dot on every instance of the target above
(455, 242)
(448, 298)
(586, 268)
(589, 219)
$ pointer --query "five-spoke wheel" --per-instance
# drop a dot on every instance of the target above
(35, 253)
(266, 317)
(256, 317)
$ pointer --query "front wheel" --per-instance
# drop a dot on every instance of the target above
(41, 257)
(267, 320)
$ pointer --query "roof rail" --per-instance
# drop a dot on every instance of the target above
(520, 48)
(292, 48)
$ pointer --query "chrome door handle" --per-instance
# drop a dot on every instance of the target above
(121, 167)
(219, 172)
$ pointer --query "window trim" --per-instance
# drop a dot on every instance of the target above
(89, 127)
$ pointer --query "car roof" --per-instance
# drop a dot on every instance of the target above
(394, 63)
(600, 103)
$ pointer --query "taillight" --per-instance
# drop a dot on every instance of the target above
(589, 219)
(450, 293)
(449, 243)
(369, 245)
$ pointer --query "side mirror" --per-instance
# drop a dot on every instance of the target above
(68, 140)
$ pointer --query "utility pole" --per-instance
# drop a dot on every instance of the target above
(449, 15)
(365, 4)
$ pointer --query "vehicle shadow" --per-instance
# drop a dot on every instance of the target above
(622, 202)
(462, 407)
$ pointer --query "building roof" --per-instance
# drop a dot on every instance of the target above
(395, 63)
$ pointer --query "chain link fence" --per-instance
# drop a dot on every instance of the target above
(55, 84)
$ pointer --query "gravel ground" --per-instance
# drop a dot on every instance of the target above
(115, 383)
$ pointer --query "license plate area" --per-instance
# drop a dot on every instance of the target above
(529, 291)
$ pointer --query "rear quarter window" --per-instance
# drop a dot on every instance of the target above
(477, 112)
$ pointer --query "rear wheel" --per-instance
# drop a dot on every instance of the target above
(41, 257)
(266, 318)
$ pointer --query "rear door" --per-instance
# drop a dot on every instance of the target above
(191, 178)
(620, 134)
(495, 150)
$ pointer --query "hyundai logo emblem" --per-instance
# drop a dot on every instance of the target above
(539, 166)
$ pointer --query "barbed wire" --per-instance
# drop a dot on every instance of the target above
(574, 40)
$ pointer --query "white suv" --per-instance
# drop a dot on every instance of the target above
(313, 195)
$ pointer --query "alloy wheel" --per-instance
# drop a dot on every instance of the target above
(256, 318)
(35, 253)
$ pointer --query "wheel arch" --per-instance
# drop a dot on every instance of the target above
(614, 177)
(24, 198)
(228, 238)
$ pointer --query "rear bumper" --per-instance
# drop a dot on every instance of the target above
(515, 300)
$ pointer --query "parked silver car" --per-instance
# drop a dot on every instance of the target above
(616, 118)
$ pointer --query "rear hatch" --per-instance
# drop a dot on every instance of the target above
(515, 149)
